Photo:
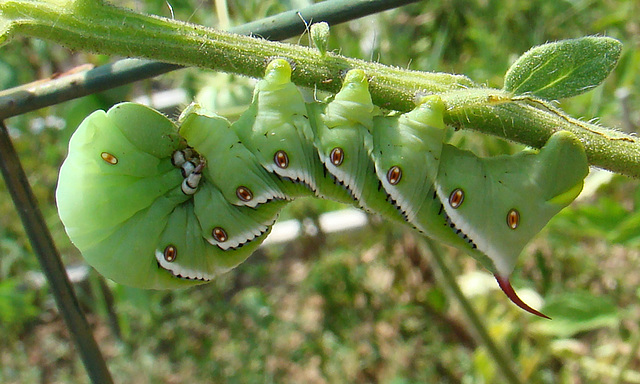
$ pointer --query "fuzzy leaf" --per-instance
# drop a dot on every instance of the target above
(320, 36)
(564, 68)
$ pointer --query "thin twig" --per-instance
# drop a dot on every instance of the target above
(505, 364)
(49, 259)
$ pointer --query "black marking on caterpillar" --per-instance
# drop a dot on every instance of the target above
(455, 229)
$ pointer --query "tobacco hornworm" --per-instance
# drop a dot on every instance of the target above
(155, 205)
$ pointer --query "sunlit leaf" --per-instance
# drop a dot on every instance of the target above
(575, 312)
(563, 69)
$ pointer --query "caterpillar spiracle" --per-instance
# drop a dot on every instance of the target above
(153, 204)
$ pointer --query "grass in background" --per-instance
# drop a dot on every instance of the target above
(364, 306)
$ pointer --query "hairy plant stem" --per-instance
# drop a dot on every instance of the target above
(95, 26)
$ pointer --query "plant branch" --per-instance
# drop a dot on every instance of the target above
(532, 121)
(94, 26)
(78, 83)
(505, 365)
(49, 258)
(98, 27)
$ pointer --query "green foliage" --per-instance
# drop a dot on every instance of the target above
(320, 36)
(563, 69)
(17, 309)
(575, 312)
(277, 318)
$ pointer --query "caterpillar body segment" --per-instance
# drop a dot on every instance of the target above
(231, 164)
(106, 178)
(344, 143)
(277, 130)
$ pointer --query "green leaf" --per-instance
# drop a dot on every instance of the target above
(17, 307)
(563, 69)
(320, 36)
(575, 312)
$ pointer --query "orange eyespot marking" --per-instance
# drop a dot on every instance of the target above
(219, 234)
(244, 194)
(109, 158)
(170, 253)
(456, 198)
(394, 175)
(281, 159)
(513, 219)
(336, 156)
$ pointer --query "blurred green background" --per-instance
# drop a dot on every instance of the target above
(357, 307)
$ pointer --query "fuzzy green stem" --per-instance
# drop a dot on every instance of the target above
(95, 26)
(532, 121)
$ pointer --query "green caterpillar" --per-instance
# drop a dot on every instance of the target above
(156, 206)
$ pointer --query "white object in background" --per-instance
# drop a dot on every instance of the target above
(336, 221)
